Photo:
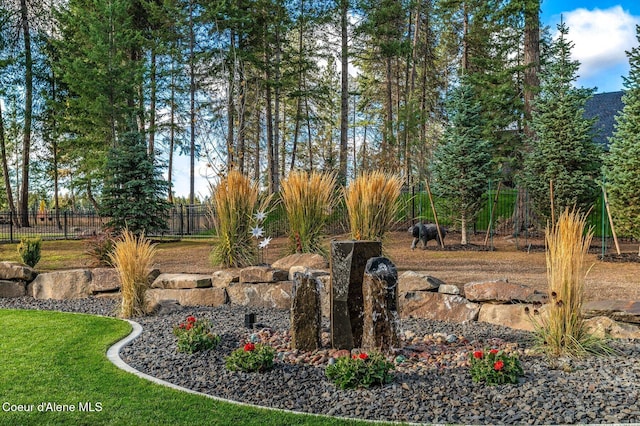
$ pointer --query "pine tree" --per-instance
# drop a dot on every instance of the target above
(563, 155)
(133, 189)
(622, 164)
(462, 163)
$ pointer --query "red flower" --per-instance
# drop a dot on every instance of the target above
(249, 347)
(478, 355)
(493, 351)
(363, 356)
(191, 319)
(189, 326)
(355, 357)
(182, 325)
(498, 366)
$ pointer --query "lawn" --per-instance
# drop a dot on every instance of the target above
(53, 360)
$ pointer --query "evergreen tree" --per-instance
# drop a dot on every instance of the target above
(622, 164)
(133, 189)
(562, 148)
(462, 163)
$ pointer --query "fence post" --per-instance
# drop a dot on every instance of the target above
(66, 236)
(11, 218)
(181, 215)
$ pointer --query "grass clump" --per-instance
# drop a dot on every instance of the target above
(562, 331)
(372, 204)
(30, 250)
(132, 256)
(308, 199)
(235, 199)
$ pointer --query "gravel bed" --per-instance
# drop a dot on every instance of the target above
(436, 389)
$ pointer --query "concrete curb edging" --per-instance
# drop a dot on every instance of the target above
(113, 354)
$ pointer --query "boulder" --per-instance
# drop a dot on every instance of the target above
(380, 293)
(16, 271)
(618, 310)
(182, 281)
(497, 291)
(516, 316)
(263, 274)
(437, 306)
(264, 295)
(223, 278)
(186, 297)
(13, 288)
(307, 260)
(306, 317)
(104, 280)
(306, 270)
(449, 289)
(604, 327)
(417, 281)
(60, 285)
(325, 294)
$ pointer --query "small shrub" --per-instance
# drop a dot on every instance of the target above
(372, 204)
(195, 335)
(495, 367)
(29, 250)
(308, 199)
(251, 358)
(100, 246)
(360, 371)
(132, 257)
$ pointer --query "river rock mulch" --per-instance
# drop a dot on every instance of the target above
(431, 385)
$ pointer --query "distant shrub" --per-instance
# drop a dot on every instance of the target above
(29, 250)
(100, 246)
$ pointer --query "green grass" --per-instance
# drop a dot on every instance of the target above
(61, 358)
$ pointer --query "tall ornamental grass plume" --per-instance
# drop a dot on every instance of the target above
(372, 204)
(563, 331)
(308, 199)
(132, 257)
(234, 202)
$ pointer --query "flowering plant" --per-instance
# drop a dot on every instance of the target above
(495, 367)
(195, 335)
(251, 357)
(362, 370)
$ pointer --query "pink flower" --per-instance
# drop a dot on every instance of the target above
(498, 366)
(478, 355)
(363, 356)
(493, 351)
(249, 347)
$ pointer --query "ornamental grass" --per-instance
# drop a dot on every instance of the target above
(308, 199)
(132, 256)
(562, 331)
(372, 204)
(234, 201)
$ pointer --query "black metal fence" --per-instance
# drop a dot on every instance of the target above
(195, 221)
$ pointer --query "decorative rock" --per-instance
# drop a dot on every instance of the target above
(516, 316)
(224, 278)
(181, 281)
(266, 295)
(418, 281)
(619, 310)
(187, 297)
(152, 275)
(449, 289)
(166, 307)
(104, 280)
(306, 270)
(72, 284)
(325, 294)
(306, 260)
(16, 271)
(604, 327)
(262, 274)
(380, 294)
(348, 260)
(13, 289)
(305, 313)
(437, 306)
(497, 291)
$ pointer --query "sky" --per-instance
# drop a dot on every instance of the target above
(601, 30)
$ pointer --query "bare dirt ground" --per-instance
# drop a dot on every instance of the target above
(510, 260)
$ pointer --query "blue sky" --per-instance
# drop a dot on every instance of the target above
(601, 30)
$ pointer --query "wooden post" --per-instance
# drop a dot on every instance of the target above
(493, 209)
(613, 230)
(435, 215)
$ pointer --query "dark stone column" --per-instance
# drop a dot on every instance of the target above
(380, 293)
(306, 315)
(348, 261)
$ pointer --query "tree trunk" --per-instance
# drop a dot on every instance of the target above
(344, 93)
(230, 105)
(28, 111)
(272, 160)
(531, 58)
(152, 105)
(463, 229)
(276, 127)
(192, 107)
(5, 171)
(172, 133)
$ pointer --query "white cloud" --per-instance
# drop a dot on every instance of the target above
(601, 37)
